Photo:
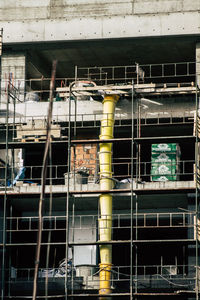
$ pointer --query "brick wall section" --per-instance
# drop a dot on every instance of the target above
(85, 156)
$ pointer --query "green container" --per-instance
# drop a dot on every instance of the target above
(164, 169)
(164, 158)
(164, 178)
(165, 147)
(165, 162)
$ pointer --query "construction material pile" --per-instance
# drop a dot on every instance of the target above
(165, 162)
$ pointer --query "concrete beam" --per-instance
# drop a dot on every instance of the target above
(122, 24)
(92, 110)
(198, 64)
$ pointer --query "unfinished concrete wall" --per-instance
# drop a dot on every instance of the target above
(13, 68)
(54, 9)
(51, 20)
(92, 110)
(198, 64)
(84, 230)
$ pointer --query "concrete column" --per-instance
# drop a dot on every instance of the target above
(14, 66)
(191, 250)
(198, 63)
(84, 255)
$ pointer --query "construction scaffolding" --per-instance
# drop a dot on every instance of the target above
(155, 222)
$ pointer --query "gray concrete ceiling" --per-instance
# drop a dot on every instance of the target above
(104, 53)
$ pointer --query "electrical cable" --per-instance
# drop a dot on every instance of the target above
(176, 284)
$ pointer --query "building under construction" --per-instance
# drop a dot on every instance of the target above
(99, 149)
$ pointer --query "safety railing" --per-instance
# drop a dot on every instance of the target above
(170, 274)
(120, 221)
(181, 72)
(157, 272)
(54, 223)
(119, 282)
(30, 90)
(92, 120)
(183, 170)
(166, 72)
(31, 175)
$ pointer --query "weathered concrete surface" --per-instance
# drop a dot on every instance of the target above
(50, 20)
(169, 185)
(198, 64)
(92, 110)
(12, 10)
(13, 67)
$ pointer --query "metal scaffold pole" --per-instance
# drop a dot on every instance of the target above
(5, 198)
(197, 155)
(132, 169)
(133, 219)
(68, 194)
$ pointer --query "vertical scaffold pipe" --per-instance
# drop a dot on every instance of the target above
(105, 200)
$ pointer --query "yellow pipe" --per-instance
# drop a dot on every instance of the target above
(105, 200)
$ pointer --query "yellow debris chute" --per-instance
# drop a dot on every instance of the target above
(105, 200)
